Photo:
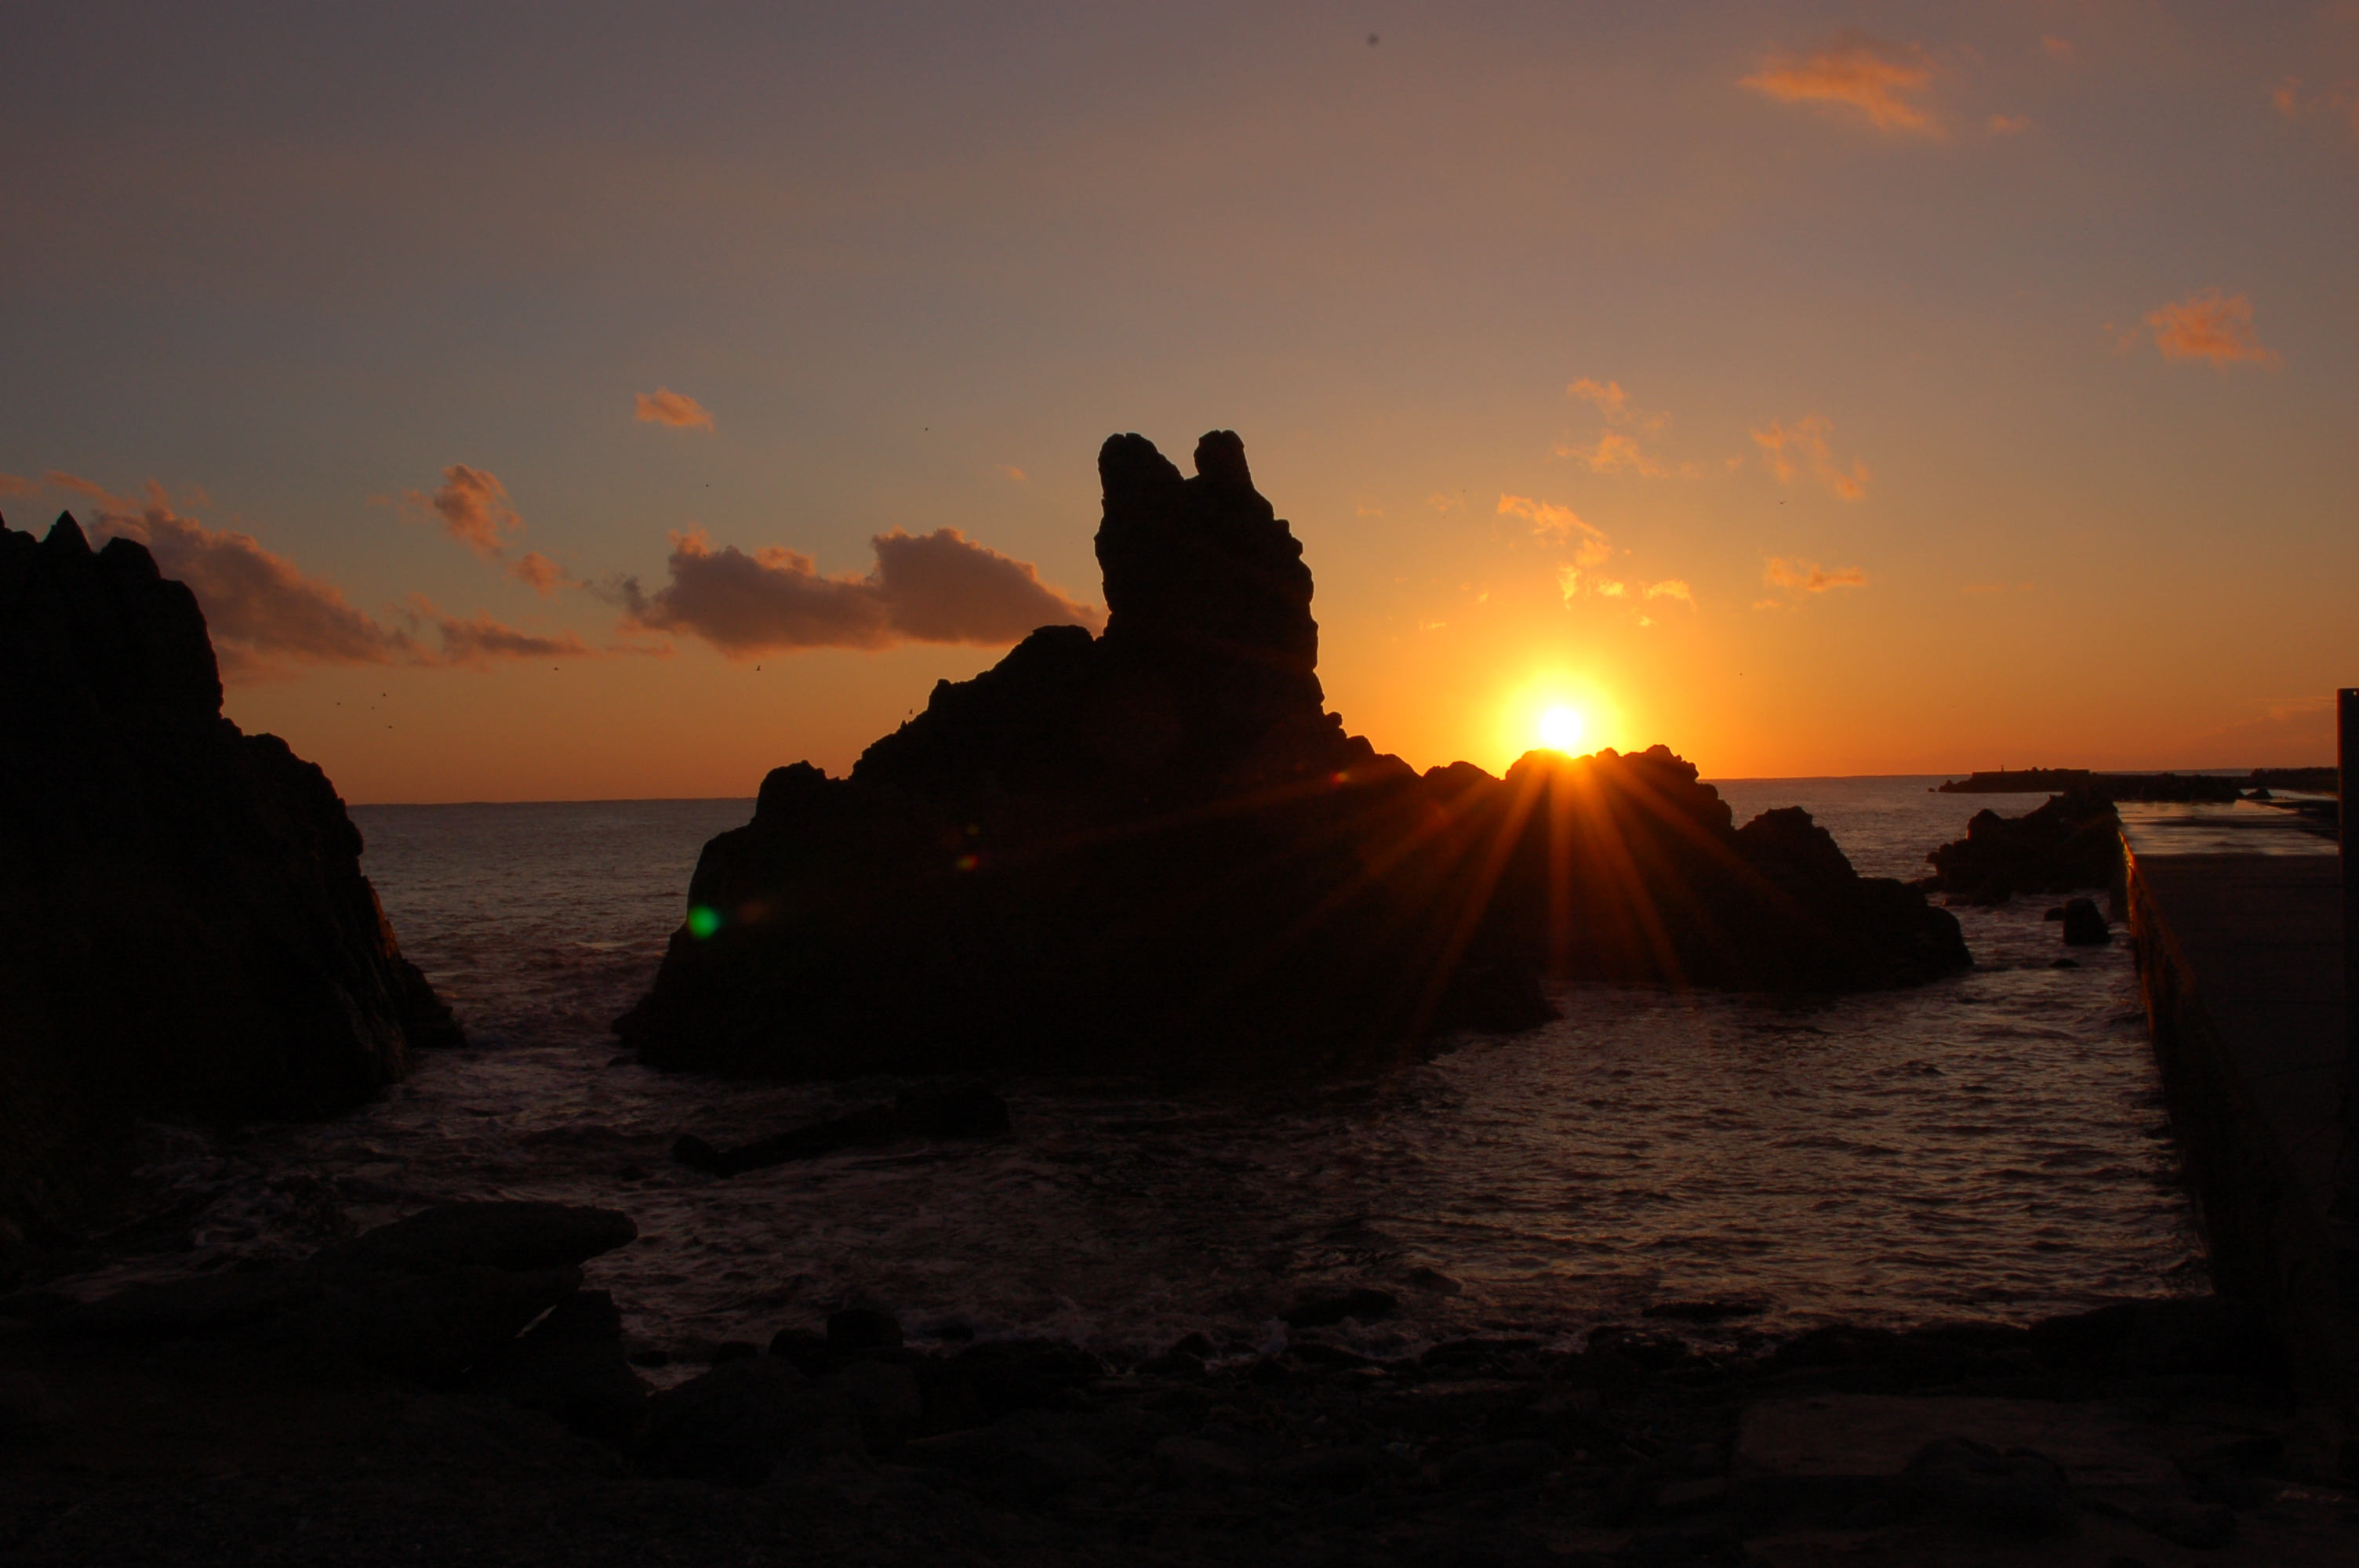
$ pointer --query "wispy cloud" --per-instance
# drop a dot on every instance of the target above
(676, 410)
(926, 588)
(268, 618)
(2211, 325)
(1012, 473)
(11, 485)
(1550, 521)
(2058, 48)
(1579, 578)
(474, 509)
(1854, 77)
(1615, 453)
(1792, 450)
(2007, 124)
(1800, 576)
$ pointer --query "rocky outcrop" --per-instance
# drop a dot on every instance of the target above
(1156, 849)
(184, 927)
(2073, 841)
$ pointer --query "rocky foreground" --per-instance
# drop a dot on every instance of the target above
(184, 927)
(1155, 850)
(444, 1391)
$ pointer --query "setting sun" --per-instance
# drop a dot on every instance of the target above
(1560, 730)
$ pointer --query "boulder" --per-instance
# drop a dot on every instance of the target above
(2084, 926)
(184, 927)
(1155, 850)
(496, 1235)
(2073, 841)
(737, 1422)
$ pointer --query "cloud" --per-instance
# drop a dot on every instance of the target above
(925, 588)
(675, 409)
(543, 573)
(1809, 576)
(1013, 472)
(1548, 520)
(1788, 451)
(1444, 503)
(2008, 125)
(1672, 587)
(1610, 400)
(268, 618)
(1615, 451)
(2286, 96)
(474, 507)
(1853, 75)
(11, 485)
(475, 510)
(2209, 326)
(2058, 48)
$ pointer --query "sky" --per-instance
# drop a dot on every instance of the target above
(601, 401)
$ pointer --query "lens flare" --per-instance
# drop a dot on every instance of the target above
(704, 921)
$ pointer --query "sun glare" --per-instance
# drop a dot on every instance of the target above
(1560, 730)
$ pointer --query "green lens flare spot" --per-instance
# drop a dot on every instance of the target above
(704, 921)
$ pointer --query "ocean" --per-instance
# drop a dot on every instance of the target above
(1993, 1146)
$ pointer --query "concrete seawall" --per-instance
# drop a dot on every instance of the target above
(2240, 961)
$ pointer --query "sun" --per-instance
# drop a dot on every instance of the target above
(1560, 730)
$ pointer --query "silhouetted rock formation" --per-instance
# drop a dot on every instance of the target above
(1156, 849)
(184, 927)
(2073, 841)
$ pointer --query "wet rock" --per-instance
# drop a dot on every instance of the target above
(1006, 1467)
(570, 1365)
(435, 1327)
(887, 1399)
(184, 928)
(1496, 1464)
(863, 1329)
(1196, 1460)
(485, 1235)
(2084, 926)
(27, 1405)
(1326, 1469)
(1324, 1309)
(200, 1303)
(2017, 1491)
(738, 1421)
(1020, 1374)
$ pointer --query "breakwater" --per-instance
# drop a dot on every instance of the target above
(2240, 966)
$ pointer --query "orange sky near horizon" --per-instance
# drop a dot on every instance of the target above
(596, 405)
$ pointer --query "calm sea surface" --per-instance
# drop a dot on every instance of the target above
(1991, 1146)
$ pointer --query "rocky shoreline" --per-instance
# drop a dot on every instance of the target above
(379, 1404)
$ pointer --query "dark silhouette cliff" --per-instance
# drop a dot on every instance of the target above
(184, 928)
(1154, 849)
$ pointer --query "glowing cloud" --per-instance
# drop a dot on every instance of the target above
(675, 410)
(1788, 451)
(1013, 472)
(11, 485)
(1809, 576)
(1854, 75)
(473, 508)
(1591, 547)
(928, 588)
(2211, 325)
(1614, 452)
(268, 618)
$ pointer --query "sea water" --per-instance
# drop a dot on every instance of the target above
(1993, 1145)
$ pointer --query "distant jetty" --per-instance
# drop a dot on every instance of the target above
(2184, 787)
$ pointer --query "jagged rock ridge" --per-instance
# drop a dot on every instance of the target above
(184, 927)
(1154, 849)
